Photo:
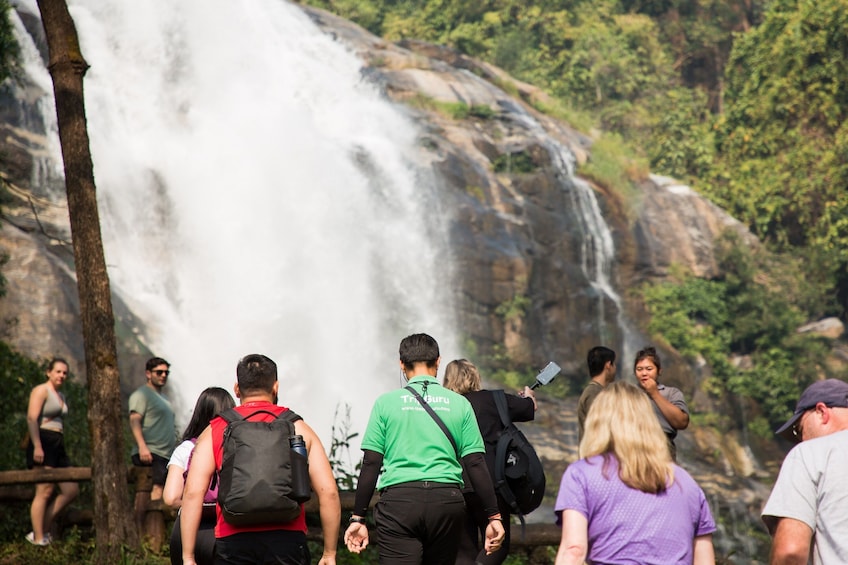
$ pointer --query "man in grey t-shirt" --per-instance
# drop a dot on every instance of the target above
(806, 509)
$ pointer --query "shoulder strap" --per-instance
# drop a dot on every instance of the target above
(435, 417)
(289, 416)
(503, 408)
(232, 415)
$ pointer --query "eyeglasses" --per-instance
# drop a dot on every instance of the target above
(161, 373)
(798, 427)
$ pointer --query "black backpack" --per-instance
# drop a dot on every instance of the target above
(519, 476)
(255, 483)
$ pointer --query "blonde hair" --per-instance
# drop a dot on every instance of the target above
(461, 376)
(622, 423)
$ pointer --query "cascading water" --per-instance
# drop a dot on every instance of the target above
(597, 251)
(257, 195)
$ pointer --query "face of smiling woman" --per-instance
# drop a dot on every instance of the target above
(57, 374)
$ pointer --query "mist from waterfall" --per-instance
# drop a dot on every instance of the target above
(257, 195)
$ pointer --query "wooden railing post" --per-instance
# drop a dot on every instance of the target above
(149, 518)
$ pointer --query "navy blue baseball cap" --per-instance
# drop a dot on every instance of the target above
(832, 392)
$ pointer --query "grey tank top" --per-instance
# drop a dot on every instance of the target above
(53, 410)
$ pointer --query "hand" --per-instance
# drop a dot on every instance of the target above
(327, 560)
(356, 537)
(144, 455)
(38, 455)
(494, 536)
(529, 393)
(649, 385)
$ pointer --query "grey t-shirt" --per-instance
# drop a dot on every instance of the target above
(812, 487)
(674, 396)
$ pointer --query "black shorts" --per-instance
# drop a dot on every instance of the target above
(159, 464)
(53, 444)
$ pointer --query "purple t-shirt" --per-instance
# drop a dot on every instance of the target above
(630, 526)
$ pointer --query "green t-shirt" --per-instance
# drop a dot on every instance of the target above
(157, 421)
(414, 447)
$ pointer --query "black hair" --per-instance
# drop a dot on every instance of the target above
(211, 402)
(597, 359)
(154, 362)
(256, 373)
(648, 353)
(418, 348)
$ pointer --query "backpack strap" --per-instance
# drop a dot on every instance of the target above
(503, 408)
(289, 416)
(438, 420)
(232, 415)
(500, 458)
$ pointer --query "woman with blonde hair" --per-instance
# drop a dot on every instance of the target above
(461, 376)
(626, 501)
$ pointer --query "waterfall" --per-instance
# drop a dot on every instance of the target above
(258, 195)
(597, 248)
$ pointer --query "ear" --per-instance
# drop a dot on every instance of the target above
(821, 408)
(276, 388)
(236, 390)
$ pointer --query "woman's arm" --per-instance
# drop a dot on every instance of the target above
(704, 552)
(575, 539)
(37, 398)
(172, 494)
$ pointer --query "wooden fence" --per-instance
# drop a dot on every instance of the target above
(151, 518)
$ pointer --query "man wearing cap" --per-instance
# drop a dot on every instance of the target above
(806, 511)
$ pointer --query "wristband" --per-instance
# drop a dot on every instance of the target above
(496, 517)
(356, 520)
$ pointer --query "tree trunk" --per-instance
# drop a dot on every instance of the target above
(113, 518)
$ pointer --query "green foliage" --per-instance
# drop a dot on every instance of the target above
(345, 470)
(514, 163)
(681, 144)
(515, 308)
(10, 52)
(783, 141)
(614, 165)
(752, 310)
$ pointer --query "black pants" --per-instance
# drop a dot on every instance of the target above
(204, 546)
(277, 547)
(419, 524)
(472, 549)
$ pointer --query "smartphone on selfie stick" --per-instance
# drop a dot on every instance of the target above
(546, 375)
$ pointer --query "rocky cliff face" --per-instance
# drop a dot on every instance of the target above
(542, 259)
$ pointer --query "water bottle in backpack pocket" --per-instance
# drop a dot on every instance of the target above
(301, 487)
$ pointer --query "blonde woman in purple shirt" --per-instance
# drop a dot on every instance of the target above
(626, 502)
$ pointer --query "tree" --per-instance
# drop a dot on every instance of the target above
(9, 48)
(113, 518)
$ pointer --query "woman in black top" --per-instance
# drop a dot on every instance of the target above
(461, 376)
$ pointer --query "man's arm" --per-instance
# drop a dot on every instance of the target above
(324, 485)
(703, 551)
(136, 426)
(791, 544)
(197, 482)
(574, 543)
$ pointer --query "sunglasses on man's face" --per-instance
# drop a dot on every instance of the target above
(161, 373)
